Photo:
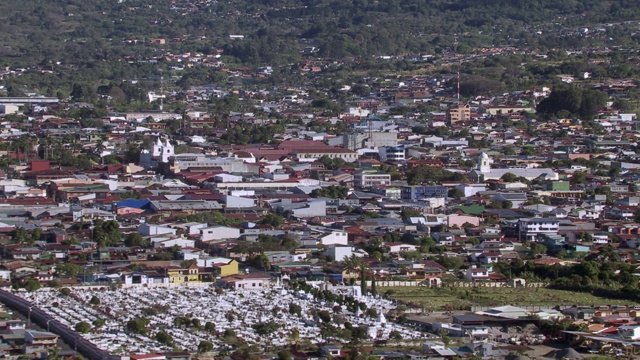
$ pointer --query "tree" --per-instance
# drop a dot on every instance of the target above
(83, 327)
(455, 193)
(98, 323)
(32, 284)
(509, 177)
(265, 328)
(135, 239)
(67, 270)
(374, 289)
(582, 102)
(332, 191)
(274, 220)
(164, 337)
(294, 337)
(284, 355)
(537, 249)
(407, 213)
(295, 309)
(94, 300)
(138, 325)
(636, 215)
(205, 346)
(65, 292)
(395, 335)
(210, 327)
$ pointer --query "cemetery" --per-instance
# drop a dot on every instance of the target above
(155, 319)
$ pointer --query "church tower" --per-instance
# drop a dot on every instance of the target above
(484, 163)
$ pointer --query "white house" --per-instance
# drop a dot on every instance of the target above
(238, 201)
(284, 256)
(334, 238)
(164, 242)
(192, 228)
(153, 229)
(477, 273)
(395, 248)
(223, 178)
(247, 282)
(215, 233)
(471, 189)
(629, 332)
(339, 253)
(529, 229)
(5, 275)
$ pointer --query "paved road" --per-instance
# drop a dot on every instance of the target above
(45, 321)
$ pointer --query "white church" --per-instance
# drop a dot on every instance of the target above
(484, 171)
(160, 153)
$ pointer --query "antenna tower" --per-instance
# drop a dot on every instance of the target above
(161, 91)
(455, 50)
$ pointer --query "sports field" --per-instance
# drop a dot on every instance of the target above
(435, 299)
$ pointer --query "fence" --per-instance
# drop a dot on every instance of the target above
(491, 284)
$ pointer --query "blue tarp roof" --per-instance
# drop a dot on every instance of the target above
(134, 203)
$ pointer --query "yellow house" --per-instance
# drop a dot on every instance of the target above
(226, 267)
(178, 275)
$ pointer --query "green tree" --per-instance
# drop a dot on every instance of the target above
(164, 337)
(65, 292)
(509, 177)
(274, 220)
(537, 249)
(135, 239)
(98, 323)
(210, 327)
(295, 309)
(205, 346)
(32, 284)
(455, 193)
(94, 300)
(83, 327)
(374, 289)
(67, 270)
(138, 326)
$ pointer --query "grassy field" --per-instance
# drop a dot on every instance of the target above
(461, 298)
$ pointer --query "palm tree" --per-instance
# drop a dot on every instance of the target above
(353, 263)
(294, 337)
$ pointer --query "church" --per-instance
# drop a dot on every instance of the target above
(484, 172)
(160, 153)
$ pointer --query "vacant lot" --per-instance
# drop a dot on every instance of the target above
(463, 298)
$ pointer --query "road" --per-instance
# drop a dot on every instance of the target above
(69, 336)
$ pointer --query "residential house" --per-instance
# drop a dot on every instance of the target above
(247, 282)
(178, 275)
(629, 332)
(218, 233)
(153, 229)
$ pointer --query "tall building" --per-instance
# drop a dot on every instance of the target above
(371, 139)
(459, 113)
(366, 179)
(388, 153)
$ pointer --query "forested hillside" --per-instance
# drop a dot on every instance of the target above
(99, 40)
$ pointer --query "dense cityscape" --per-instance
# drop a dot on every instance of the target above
(204, 180)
